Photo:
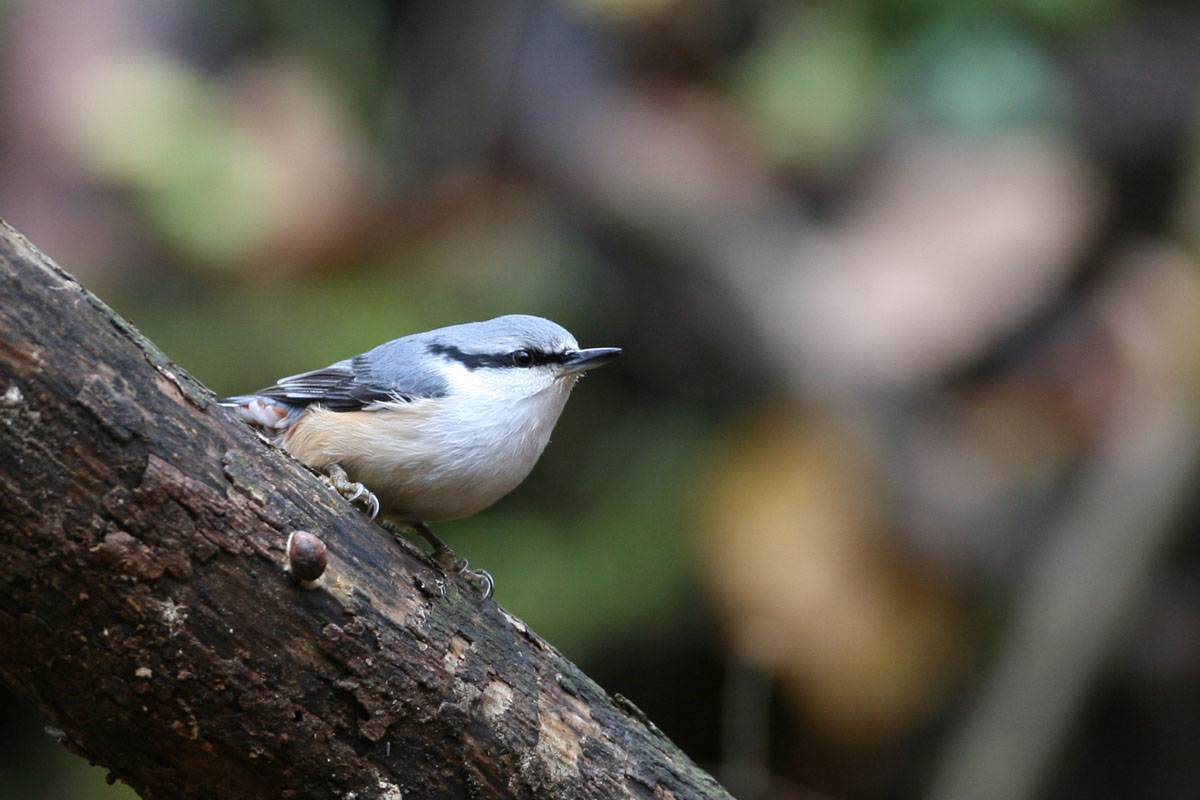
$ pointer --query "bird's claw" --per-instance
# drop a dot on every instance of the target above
(479, 578)
(482, 579)
(336, 478)
(447, 559)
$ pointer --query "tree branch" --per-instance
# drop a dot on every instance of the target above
(145, 609)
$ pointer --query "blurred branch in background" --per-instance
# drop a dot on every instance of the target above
(1076, 599)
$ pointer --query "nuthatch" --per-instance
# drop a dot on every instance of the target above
(433, 426)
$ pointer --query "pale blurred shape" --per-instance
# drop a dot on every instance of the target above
(808, 588)
(48, 46)
(668, 165)
(954, 244)
(1153, 305)
(147, 122)
(258, 163)
(812, 87)
(261, 165)
(322, 174)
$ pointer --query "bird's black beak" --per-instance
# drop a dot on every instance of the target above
(593, 357)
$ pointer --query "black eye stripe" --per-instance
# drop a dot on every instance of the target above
(474, 361)
(536, 358)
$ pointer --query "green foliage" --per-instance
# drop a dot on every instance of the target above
(813, 86)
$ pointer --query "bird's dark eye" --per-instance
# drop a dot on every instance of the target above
(522, 358)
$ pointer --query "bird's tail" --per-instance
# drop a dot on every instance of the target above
(263, 412)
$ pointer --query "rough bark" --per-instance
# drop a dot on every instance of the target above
(145, 610)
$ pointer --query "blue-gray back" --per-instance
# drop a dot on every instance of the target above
(412, 367)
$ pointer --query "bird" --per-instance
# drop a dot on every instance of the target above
(432, 426)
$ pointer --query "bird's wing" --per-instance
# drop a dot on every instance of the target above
(345, 386)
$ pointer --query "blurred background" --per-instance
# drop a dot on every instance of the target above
(891, 494)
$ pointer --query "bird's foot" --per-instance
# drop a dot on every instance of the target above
(447, 559)
(481, 579)
(336, 478)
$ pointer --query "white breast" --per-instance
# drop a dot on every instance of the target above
(433, 460)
